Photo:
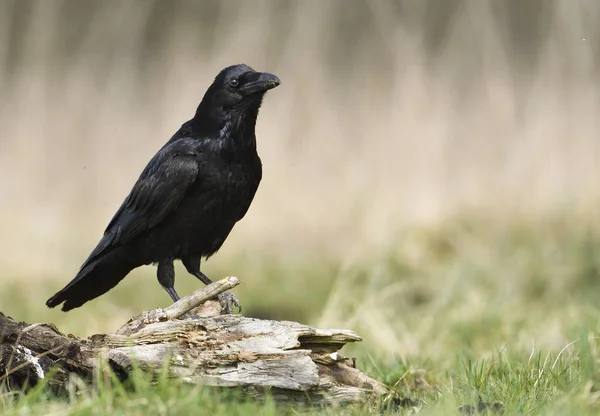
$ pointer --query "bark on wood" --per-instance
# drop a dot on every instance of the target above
(294, 362)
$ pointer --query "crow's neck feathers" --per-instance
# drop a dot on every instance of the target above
(237, 129)
(233, 127)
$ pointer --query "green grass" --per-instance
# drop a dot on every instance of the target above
(470, 311)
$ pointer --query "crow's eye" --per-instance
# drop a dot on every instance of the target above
(234, 82)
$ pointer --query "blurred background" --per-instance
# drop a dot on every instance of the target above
(430, 167)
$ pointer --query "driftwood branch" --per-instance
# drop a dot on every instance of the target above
(294, 361)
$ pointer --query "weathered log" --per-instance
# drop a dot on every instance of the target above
(294, 362)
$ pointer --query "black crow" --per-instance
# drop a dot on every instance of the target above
(189, 196)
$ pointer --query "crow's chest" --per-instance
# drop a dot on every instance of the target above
(229, 186)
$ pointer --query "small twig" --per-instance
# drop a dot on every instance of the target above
(179, 308)
(189, 302)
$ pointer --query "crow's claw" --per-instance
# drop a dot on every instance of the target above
(227, 301)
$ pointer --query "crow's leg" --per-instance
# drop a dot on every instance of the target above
(166, 278)
(227, 299)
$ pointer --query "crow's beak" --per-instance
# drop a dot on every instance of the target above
(262, 83)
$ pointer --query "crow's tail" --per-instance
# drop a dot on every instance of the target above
(96, 277)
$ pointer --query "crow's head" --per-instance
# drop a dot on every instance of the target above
(233, 100)
(240, 87)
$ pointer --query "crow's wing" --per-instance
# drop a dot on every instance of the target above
(158, 191)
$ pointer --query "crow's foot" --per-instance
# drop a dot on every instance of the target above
(227, 301)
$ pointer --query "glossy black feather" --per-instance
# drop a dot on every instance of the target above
(189, 196)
